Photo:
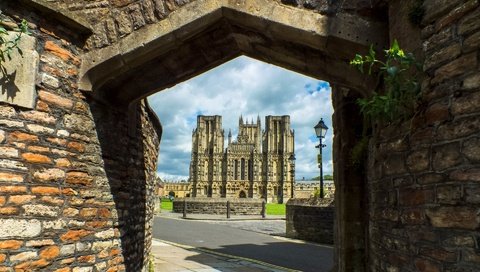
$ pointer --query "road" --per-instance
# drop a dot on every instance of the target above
(248, 244)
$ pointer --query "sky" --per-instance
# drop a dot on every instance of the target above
(247, 87)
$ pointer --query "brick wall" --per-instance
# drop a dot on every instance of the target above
(219, 206)
(423, 183)
(310, 220)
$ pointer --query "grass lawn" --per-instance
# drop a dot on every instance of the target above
(166, 204)
(275, 209)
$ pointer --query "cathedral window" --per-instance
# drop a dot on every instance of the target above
(242, 170)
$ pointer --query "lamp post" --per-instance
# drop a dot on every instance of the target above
(321, 131)
(292, 159)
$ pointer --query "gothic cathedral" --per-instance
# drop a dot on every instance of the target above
(256, 165)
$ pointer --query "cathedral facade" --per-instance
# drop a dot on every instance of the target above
(258, 164)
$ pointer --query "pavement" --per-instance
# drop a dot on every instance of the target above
(170, 256)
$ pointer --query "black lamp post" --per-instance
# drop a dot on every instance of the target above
(292, 159)
(321, 130)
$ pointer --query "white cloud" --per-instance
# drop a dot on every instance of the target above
(248, 87)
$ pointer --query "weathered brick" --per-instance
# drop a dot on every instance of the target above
(460, 127)
(439, 254)
(2, 136)
(57, 141)
(7, 111)
(38, 149)
(418, 160)
(472, 43)
(465, 104)
(40, 243)
(457, 67)
(42, 106)
(49, 175)
(472, 175)
(50, 252)
(424, 265)
(449, 194)
(472, 81)
(70, 212)
(45, 190)
(76, 146)
(81, 178)
(10, 177)
(55, 99)
(456, 13)
(57, 201)
(32, 265)
(471, 256)
(472, 195)
(471, 149)
(78, 122)
(460, 241)
(3, 199)
(394, 164)
(88, 212)
(63, 163)
(65, 269)
(96, 224)
(416, 196)
(469, 23)
(36, 158)
(104, 212)
(412, 216)
(8, 152)
(10, 244)
(61, 53)
(3, 257)
(8, 210)
(446, 156)
(74, 235)
(434, 9)
(18, 136)
(86, 259)
(442, 55)
(40, 210)
(37, 129)
(13, 189)
(106, 234)
(20, 199)
(28, 255)
(454, 217)
(38, 116)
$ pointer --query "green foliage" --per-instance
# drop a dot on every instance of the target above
(8, 46)
(400, 73)
(275, 209)
(325, 177)
(358, 154)
(151, 264)
(416, 13)
(166, 204)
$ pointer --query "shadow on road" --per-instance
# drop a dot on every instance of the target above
(303, 259)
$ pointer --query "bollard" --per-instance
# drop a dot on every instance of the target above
(263, 209)
(228, 208)
(184, 208)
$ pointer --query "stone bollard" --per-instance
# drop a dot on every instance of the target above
(228, 208)
(184, 208)
(264, 210)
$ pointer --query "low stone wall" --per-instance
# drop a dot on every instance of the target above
(243, 206)
(310, 219)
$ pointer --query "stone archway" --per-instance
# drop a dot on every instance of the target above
(242, 194)
(187, 44)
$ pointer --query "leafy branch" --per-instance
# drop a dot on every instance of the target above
(7, 46)
(400, 73)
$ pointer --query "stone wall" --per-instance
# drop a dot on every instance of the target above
(424, 175)
(311, 220)
(210, 205)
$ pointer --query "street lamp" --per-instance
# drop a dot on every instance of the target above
(292, 159)
(321, 131)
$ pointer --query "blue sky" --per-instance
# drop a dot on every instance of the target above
(245, 87)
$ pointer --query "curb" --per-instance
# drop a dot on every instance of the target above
(221, 219)
(211, 252)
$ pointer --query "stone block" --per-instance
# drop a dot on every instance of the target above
(17, 86)
(454, 217)
(19, 228)
(464, 64)
(446, 156)
(467, 103)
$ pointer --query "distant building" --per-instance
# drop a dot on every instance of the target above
(306, 188)
(176, 188)
(256, 165)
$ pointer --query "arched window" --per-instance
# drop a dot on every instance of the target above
(242, 170)
(235, 170)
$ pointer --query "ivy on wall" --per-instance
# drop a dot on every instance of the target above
(8, 46)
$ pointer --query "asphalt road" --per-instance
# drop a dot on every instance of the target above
(248, 244)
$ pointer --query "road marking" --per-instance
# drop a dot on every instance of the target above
(280, 268)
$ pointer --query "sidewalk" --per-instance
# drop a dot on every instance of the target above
(169, 257)
(219, 217)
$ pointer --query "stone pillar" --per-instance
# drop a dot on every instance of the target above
(350, 198)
